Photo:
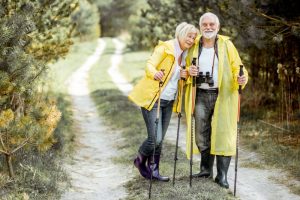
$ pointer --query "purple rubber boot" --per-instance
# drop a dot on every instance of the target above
(155, 169)
(140, 164)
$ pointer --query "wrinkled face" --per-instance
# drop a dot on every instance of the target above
(188, 41)
(209, 27)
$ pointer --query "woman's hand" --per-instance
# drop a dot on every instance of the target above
(159, 75)
(183, 74)
(193, 70)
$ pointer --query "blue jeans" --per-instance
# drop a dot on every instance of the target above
(204, 109)
(165, 113)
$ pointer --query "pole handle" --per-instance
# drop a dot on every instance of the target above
(161, 82)
(241, 73)
(194, 78)
(194, 61)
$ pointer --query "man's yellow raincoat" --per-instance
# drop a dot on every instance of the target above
(145, 93)
(224, 120)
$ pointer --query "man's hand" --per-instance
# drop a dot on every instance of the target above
(159, 75)
(193, 70)
(241, 80)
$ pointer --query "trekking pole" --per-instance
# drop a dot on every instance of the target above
(192, 122)
(178, 127)
(155, 135)
(241, 73)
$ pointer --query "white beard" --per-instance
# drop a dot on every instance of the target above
(209, 35)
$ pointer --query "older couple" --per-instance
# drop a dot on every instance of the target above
(217, 80)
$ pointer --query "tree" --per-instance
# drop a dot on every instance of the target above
(87, 19)
(115, 15)
(31, 37)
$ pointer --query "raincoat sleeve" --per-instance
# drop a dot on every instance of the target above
(235, 62)
(155, 59)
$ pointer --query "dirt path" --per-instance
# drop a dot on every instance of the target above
(94, 176)
(252, 184)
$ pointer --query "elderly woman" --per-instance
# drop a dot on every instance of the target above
(164, 65)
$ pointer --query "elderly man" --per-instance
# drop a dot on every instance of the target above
(216, 101)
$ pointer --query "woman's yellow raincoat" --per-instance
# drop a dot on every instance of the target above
(224, 120)
(145, 93)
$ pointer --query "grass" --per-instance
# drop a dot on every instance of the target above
(133, 65)
(38, 176)
(121, 114)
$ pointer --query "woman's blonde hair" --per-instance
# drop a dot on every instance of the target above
(183, 29)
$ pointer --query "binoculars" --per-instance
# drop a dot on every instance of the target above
(207, 78)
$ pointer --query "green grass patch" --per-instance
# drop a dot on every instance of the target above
(121, 114)
(64, 132)
(133, 65)
(254, 165)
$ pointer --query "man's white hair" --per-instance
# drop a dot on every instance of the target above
(212, 15)
(183, 29)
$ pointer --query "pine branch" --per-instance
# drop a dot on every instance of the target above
(14, 74)
(38, 74)
(12, 99)
(21, 145)
(4, 152)
(2, 143)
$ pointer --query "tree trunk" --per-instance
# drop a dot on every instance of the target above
(9, 165)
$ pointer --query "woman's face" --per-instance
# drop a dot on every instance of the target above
(188, 41)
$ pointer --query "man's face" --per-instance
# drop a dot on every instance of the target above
(209, 28)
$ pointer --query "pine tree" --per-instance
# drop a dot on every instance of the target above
(31, 37)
